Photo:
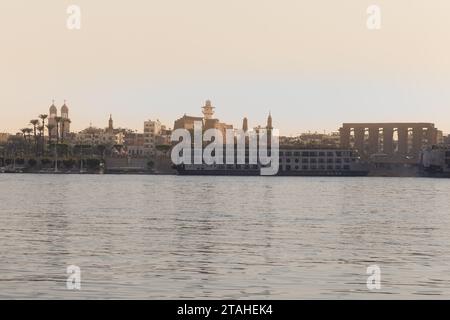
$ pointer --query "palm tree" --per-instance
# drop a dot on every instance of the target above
(26, 135)
(41, 129)
(43, 117)
(50, 128)
(35, 122)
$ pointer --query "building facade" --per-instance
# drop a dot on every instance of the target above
(397, 141)
(152, 129)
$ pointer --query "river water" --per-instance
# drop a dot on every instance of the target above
(181, 237)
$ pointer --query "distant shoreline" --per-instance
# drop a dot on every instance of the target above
(435, 176)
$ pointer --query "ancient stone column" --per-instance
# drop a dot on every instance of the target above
(345, 137)
(431, 135)
(359, 139)
(402, 140)
(388, 140)
(417, 140)
(374, 137)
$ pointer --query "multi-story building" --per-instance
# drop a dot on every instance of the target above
(134, 144)
(152, 129)
(165, 136)
(207, 121)
(4, 137)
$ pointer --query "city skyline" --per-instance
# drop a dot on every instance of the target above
(77, 127)
(313, 64)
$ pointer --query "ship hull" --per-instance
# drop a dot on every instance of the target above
(211, 172)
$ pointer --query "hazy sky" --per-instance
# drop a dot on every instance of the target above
(313, 63)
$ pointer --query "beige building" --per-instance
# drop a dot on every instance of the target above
(4, 137)
(152, 130)
(134, 144)
(208, 121)
(95, 136)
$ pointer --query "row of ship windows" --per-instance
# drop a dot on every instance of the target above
(283, 168)
(313, 167)
(316, 153)
(315, 160)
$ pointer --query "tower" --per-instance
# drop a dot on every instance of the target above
(269, 122)
(208, 110)
(245, 124)
(64, 111)
(65, 122)
(53, 113)
(110, 124)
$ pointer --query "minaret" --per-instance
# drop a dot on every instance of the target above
(208, 110)
(269, 122)
(111, 124)
(53, 113)
(65, 119)
(245, 124)
(64, 111)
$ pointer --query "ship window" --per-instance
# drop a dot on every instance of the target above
(305, 160)
(296, 153)
(321, 167)
(321, 154)
(321, 160)
(305, 167)
(347, 160)
(313, 154)
(288, 168)
(329, 167)
(305, 154)
(281, 153)
(338, 154)
(288, 160)
(338, 160)
(338, 167)
(288, 154)
(313, 167)
(313, 160)
(296, 167)
(297, 160)
(330, 154)
(346, 167)
(329, 160)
